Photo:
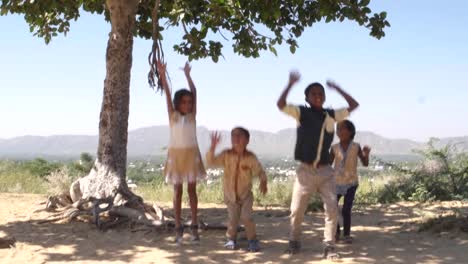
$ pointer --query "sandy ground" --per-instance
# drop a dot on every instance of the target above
(383, 234)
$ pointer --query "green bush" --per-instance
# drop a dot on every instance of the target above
(15, 178)
(442, 175)
(40, 167)
(82, 167)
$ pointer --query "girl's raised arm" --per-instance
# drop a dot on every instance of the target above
(167, 91)
(187, 68)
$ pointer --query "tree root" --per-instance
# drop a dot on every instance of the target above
(63, 209)
(114, 211)
(7, 242)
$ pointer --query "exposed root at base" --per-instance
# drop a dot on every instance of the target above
(105, 214)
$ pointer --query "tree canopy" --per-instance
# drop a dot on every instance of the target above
(251, 26)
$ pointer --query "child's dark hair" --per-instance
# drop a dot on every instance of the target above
(313, 85)
(178, 97)
(243, 130)
(351, 128)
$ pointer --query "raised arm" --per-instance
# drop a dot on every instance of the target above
(167, 90)
(211, 159)
(294, 77)
(187, 68)
(364, 155)
(352, 103)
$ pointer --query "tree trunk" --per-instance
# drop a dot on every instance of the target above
(108, 176)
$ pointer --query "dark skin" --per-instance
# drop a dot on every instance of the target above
(316, 97)
(188, 104)
(345, 139)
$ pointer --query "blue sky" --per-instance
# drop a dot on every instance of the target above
(410, 84)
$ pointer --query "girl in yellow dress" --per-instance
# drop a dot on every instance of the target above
(184, 163)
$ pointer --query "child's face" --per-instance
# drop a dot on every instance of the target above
(186, 104)
(239, 141)
(316, 97)
(343, 132)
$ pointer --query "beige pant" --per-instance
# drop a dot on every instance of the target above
(241, 211)
(309, 181)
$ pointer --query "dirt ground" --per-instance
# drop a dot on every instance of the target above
(383, 234)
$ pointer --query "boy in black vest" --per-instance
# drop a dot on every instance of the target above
(315, 131)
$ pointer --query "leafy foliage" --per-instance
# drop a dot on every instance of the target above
(253, 26)
(442, 175)
(83, 166)
(40, 167)
(145, 172)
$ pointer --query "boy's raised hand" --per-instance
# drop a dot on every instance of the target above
(332, 85)
(215, 139)
(366, 151)
(294, 77)
(263, 187)
(352, 103)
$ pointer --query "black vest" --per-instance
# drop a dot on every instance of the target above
(308, 135)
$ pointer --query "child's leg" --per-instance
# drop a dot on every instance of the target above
(246, 218)
(327, 191)
(177, 203)
(300, 199)
(338, 197)
(234, 211)
(347, 206)
(192, 193)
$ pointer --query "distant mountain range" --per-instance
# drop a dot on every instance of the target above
(152, 141)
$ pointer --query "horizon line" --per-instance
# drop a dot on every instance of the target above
(205, 127)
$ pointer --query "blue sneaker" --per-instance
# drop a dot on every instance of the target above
(253, 246)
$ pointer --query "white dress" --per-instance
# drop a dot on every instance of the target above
(184, 163)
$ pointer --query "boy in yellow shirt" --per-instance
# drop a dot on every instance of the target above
(240, 166)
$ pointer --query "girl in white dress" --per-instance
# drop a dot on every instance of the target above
(184, 163)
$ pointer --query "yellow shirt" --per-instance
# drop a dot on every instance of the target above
(238, 172)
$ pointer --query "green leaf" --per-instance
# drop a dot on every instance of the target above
(364, 3)
(251, 26)
(383, 15)
(273, 50)
(292, 48)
